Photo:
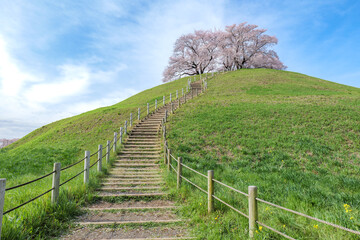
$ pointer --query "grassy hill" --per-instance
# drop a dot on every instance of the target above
(63, 141)
(295, 137)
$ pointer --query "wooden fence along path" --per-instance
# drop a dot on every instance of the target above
(136, 176)
(134, 192)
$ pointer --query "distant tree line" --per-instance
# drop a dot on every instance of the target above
(239, 46)
(5, 142)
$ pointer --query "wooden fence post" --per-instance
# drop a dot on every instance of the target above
(169, 158)
(165, 150)
(107, 151)
(166, 113)
(172, 108)
(163, 100)
(56, 183)
(115, 139)
(187, 88)
(99, 165)
(155, 104)
(87, 167)
(130, 119)
(179, 173)
(210, 191)
(147, 108)
(2, 200)
(185, 98)
(182, 92)
(164, 132)
(121, 135)
(253, 212)
(138, 114)
(125, 127)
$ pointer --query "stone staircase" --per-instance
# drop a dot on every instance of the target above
(133, 197)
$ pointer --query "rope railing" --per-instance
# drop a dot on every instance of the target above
(275, 231)
(193, 184)
(25, 203)
(94, 153)
(309, 217)
(173, 168)
(232, 207)
(174, 158)
(191, 169)
(32, 181)
(234, 189)
(94, 163)
(72, 178)
(71, 165)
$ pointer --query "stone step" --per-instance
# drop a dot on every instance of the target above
(142, 143)
(137, 175)
(162, 232)
(135, 164)
(124, 216)
(119, 222)
(163, 238)
(135, 169)
(131, 194)
(146, 148)
(138, 152)
(136, 161)
(134, 172)
(118, 174)
(129, 146)
(143, 138)
(142, 170)
(131, 208)
(143, 183)
(145, 129)
(131, 156)
(134, 182)
(134, 179)
(134, 175)
(147, 125)
(130, 188)
(144, 133)
(152, 141)
(133, 204)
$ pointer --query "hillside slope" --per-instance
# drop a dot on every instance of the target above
(63, 141)
(295, 137)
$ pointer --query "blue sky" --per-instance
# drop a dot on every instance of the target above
(61, 58)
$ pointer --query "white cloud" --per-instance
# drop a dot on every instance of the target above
(74, 80)
(11, 77)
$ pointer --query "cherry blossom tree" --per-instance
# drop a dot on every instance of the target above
(193, 54)
(249, 47)
(239, 46)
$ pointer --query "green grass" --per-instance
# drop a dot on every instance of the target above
(63, 141)
(295, 137)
